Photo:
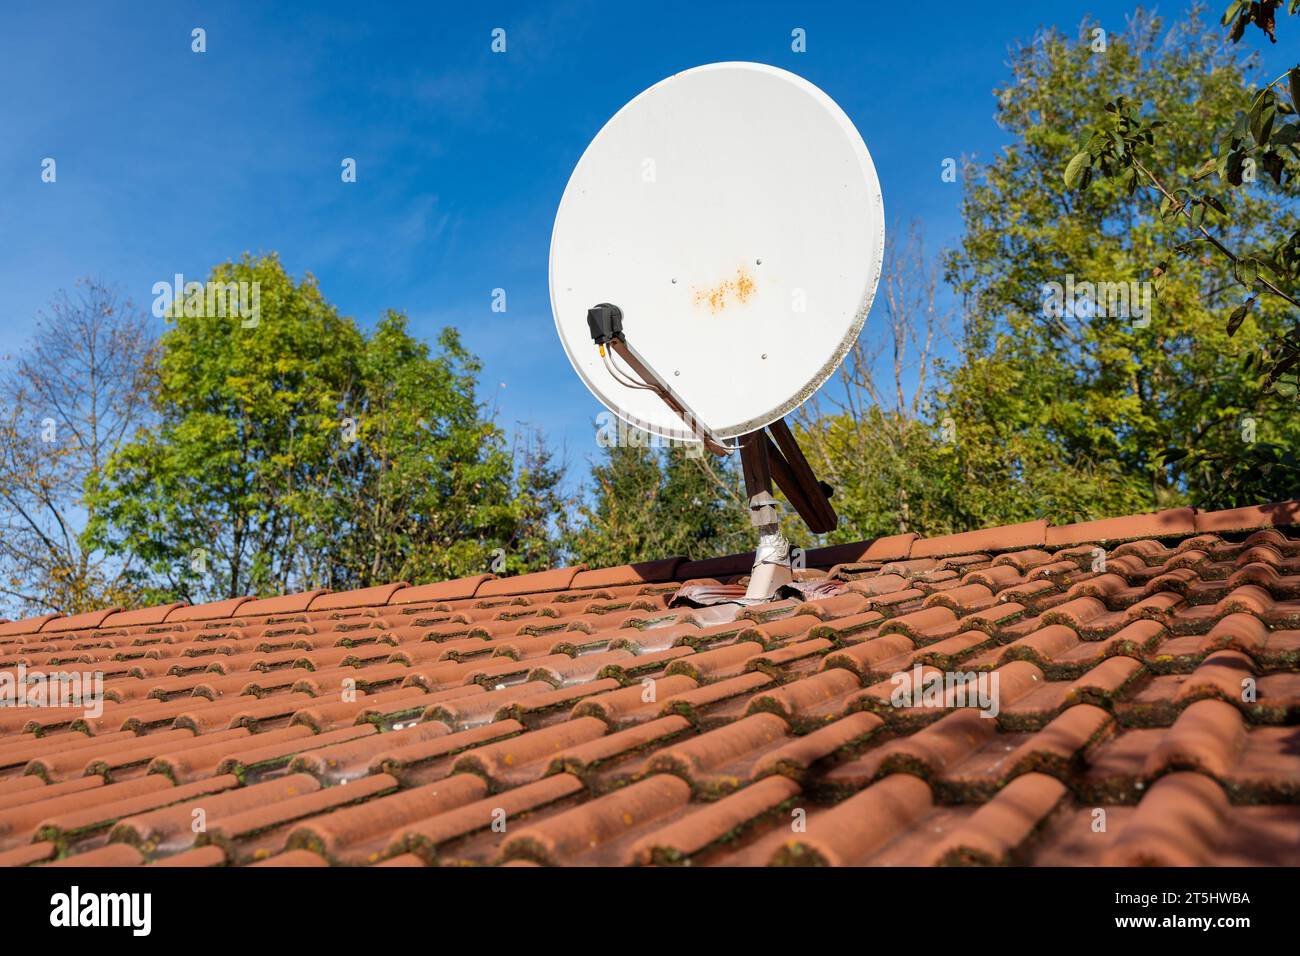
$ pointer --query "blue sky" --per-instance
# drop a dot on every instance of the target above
(170, 161)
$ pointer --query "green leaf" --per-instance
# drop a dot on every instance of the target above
(1282, 370)
(1076, 168)
(1274, 165)
(1131, 180)
(1159, 276)
(1293, 80)
(1238, 28)
(1238, 316)
(1205, 169)
(1247, 271)
(1262, 112)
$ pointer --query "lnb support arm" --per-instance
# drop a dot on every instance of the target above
(606, 324)
(769, 457)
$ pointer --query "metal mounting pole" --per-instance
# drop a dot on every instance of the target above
(772, 558)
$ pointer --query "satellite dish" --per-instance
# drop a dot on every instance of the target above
(732, 212)
(713, 260)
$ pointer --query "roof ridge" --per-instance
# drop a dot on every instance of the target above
(1168, 523)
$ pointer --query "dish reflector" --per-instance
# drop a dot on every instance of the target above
(732, 212)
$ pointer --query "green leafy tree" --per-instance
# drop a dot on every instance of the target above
(1063, 404)
(1239, 232)
(646, 503)
(293, 451)
(428, 487)
(538, 508)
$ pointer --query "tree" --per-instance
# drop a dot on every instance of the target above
(648, 503)
(870, 435)
(1070, 386)
(538, 509)
(293, 451)
(73, 397)
(420, 488)
(1129, 145)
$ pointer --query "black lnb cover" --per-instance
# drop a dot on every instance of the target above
(605, 322)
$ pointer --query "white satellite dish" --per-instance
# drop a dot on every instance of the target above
(725, 231)
(733, 213)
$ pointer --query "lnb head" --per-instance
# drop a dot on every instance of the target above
(605, 322)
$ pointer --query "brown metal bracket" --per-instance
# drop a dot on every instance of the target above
(775, 456)
(795, 477)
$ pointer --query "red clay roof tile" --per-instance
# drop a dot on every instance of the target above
(891, 548)
(425, 838)
(283, 604)
(1176, 824)
(112, 855)
(214, 611)
(294, 858)
(1176, 522)
(678, 841)
(340, 836)
(723, 567)
(142, 617)
(1013, 537)
(850, 831)
(201, 856)
(558, 579)
(1147, 660)
(646, 572)
(1280, 515)
(454, 590)
(363, 597)
(28, 625)
(568, 837)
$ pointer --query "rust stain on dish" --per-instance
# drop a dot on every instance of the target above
(740, 289)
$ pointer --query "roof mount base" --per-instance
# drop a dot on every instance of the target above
(772, 568)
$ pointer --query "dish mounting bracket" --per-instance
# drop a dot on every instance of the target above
(767, 456)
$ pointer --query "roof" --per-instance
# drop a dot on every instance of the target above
(1143, 671)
